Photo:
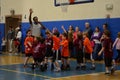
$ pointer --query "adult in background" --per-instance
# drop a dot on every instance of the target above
(10, 37)
(70, 37)
(88, 29)
(117, 45)
(77, 31)
(105, 27)
(97, 44)
(19, 38)
(36, 26)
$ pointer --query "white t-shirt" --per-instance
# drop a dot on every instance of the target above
(96, 40)
(19, 35)
(3, 43)
(36, 29)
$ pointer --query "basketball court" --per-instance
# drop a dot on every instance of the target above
(11, 67)
(56, 13)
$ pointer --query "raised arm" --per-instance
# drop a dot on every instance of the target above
(63, 29)
(47, 30)
(30, 16)
(43, 27)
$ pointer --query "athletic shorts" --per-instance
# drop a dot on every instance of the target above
(49, 52)
(56, 55)
(64, 57)
(79, 56)
(28, 54)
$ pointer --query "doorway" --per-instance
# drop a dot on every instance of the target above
(14, 21)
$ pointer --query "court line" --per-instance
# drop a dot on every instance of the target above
(26, 73)
(82, 75)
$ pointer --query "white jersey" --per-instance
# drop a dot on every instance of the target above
(19, 35)
(3, 43)
(36, 29)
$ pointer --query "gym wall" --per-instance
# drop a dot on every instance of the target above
(52, 16)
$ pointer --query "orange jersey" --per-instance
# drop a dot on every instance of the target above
(87, 45)
(65, 48)
(28, 44)
(56, 43)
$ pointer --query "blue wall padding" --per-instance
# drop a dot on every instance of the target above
(25, 27)
(2, 32)
(113, 25)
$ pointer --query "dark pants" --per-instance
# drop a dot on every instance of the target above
(19, 46)
(79, 56)
(97, 48)
(118, 57)
(3, 48)
(71, 49)
(108, 62)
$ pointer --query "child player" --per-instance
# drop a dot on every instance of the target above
(88, 48)
(65, 52)
(49, 45)
(108, 52)
(39, 49)
(28, 46)
(78, 43)
(56, 50)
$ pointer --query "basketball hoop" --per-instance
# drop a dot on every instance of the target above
(64, 5)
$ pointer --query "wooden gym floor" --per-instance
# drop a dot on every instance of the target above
(11, 68)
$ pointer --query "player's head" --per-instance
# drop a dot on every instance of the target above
(35, 19)
(76, 28)
(87, 25)
(56, 34)
(85, 34)
(47, 33)
(64, 36)
(42, 40)
(29, 33)
(107, 33)
(80, 35)
(105, 26)
(97, 29)
(71, 27)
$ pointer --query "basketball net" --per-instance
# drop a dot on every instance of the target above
(64, 5)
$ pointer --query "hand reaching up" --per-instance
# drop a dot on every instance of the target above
(30, 10)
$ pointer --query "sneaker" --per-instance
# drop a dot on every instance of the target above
(33, 66)
(25, 66)
(42, 68)
(10, 54)
(78, 67)
(68, 67)
(107, 73)
(52, 67)
(112, 71)
(45, 66)
(92, 68)
(57, 70)
(16, 54)
(62, 67)
(83, 67)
